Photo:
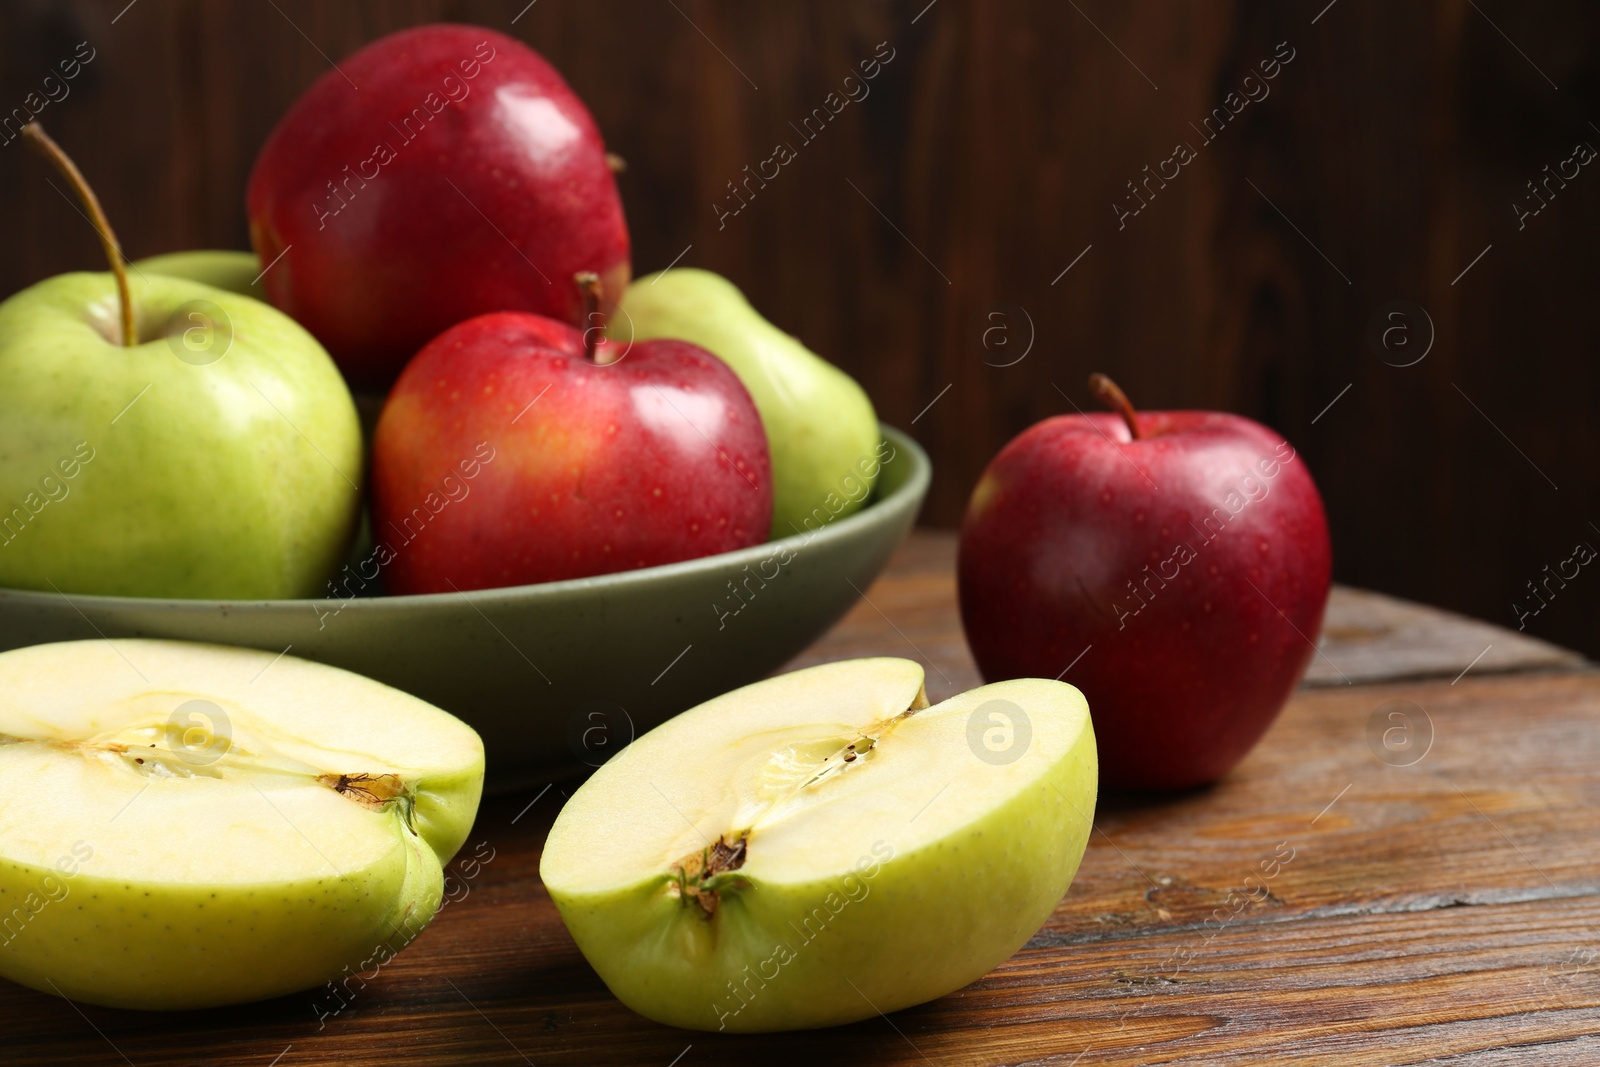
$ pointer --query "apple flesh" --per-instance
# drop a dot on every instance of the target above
(464, 177)
(822, 846)
(195, 825)
(1188, 567)
(820, 425)
(506, 456)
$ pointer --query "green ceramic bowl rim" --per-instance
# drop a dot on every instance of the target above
(911, 490)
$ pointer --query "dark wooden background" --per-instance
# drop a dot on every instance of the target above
(984, 161)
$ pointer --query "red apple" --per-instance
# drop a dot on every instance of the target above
(1183, 555)
(463, 176)
(505, 455)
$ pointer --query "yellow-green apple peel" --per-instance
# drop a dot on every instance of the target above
(822, 846)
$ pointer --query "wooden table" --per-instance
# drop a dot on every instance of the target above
(1446, 912)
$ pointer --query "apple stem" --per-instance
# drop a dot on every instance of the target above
(97, 217)
(1111, 395)
(589, 283)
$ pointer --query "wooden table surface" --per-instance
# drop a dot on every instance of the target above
(1445, 912)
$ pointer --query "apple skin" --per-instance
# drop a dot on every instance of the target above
(604, 472)
(1185, 677)
(275, 943)
(385, 255)
(234, 272)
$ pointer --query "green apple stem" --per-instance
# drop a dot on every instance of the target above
(594, 322)
(1111, 395)
(97, 217)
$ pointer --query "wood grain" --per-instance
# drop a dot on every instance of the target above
(1319, 906)
(935, 218)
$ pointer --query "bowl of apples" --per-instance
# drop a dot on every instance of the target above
(570, 505)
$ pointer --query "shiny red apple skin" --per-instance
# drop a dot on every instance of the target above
(489, 199)
(656, 458)
(1187, 667)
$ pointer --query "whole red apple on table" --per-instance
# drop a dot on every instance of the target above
(506, 455)
(1187, 551)
(462, 177)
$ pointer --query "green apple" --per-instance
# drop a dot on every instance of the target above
(185, 825)
(213, 451)
(821, 429)
(823, 846)
(220, 456)
(236, 272)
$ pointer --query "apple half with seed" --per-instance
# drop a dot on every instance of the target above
(823, 846)
(184, 825)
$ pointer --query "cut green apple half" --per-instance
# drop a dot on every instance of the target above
(187, 825)
(823, 846)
